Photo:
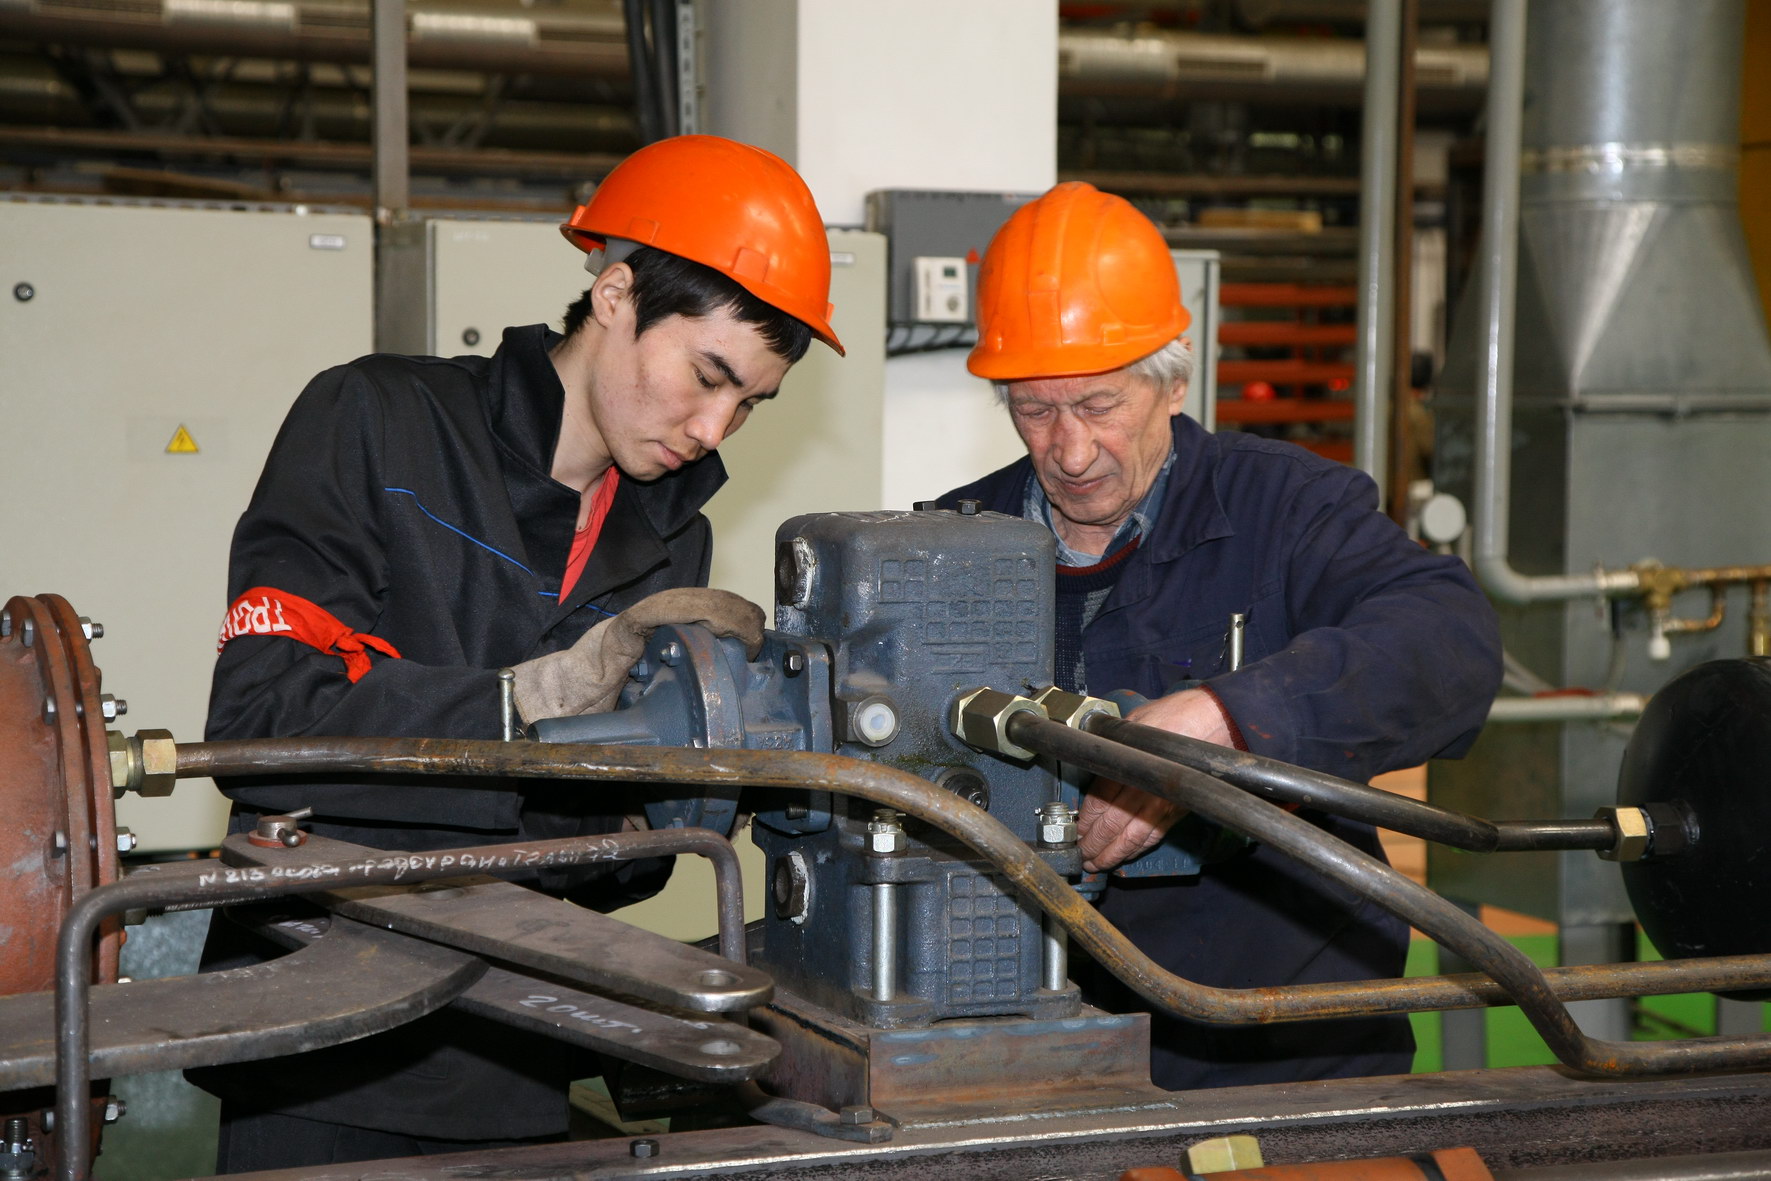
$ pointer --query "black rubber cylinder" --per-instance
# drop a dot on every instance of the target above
(1702, 751)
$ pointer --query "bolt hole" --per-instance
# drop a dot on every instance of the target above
(717, 979)
(721, 1048)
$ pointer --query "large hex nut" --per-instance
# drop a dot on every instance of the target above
(1633, 830)
(125, 764)
(980, 719)
(159, 762)
(1073, 709)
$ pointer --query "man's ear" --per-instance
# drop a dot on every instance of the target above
(612, 288)
(1177, 398)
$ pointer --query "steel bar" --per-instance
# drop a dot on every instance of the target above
(360, 983)
(711, 1050)
(728, 874)
(226, 886)
(1276, 780)
(885, 940)
(1437, 917)
(921, 800)
(1375, 348)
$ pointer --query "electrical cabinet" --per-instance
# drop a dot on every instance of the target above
(148, 354)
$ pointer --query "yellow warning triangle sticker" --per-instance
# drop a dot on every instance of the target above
(182, 443)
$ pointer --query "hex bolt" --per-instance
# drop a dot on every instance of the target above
(794, 663)
(5, 624)
(970, 508)
(1057, 824)
(885, 837)
(49, 711)
(126, 841)
(28, 633)
(111, 707)
(643, 1148)
(91, 630)
(115, 1109)
(671, 654)
(58, 844)
(796, 812)
(854, 1115)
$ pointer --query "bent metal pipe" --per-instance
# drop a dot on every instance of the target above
(230, 885)
(929, 804)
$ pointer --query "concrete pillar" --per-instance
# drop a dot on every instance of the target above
(913, 94)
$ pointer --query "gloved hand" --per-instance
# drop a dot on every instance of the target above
(587, 677)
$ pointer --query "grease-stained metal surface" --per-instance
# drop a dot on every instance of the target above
(508, 922)
(356, 982)
(707, 1050)
(1525, 1117)
(976, 1068)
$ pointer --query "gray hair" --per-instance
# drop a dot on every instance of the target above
(1168, 366)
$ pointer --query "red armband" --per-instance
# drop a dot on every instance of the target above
(266, 611)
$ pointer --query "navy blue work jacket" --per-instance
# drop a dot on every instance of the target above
(1363, 653)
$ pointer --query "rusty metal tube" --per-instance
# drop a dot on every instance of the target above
(225, 888)
(920, 799)
(1444, 922)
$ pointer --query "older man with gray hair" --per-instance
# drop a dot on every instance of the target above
(1363, 652)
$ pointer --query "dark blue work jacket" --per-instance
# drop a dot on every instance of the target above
(1363, 653)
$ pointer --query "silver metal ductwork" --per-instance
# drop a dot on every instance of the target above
(1617, 409)
(1635, 287)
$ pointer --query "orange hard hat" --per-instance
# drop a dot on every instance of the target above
(730, 206)
(1075, 282)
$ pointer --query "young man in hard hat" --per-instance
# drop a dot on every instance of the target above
(423, 523)
(1362, 653)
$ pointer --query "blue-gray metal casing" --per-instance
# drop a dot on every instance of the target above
(920, 607)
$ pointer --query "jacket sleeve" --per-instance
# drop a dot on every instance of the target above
(1394, 653)
(311, 529)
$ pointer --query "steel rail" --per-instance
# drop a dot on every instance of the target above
(1525, 983)
(921, 800)
(229, 885)
(1276, 780)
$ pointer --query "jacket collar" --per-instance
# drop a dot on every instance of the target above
(525, 405)
(1191, 513)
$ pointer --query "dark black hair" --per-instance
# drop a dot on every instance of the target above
(667, 284)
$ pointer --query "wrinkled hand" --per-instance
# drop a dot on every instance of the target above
(587, 677)
(1117, 822)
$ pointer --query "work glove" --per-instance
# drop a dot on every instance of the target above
(587, 677)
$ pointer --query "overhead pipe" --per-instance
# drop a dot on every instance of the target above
(1498, 284)
(1376, 334)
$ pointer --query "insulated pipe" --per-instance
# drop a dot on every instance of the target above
(1376, 339)
(1499, 281)
(1596, 708)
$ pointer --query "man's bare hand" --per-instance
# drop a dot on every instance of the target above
(1117, 822)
